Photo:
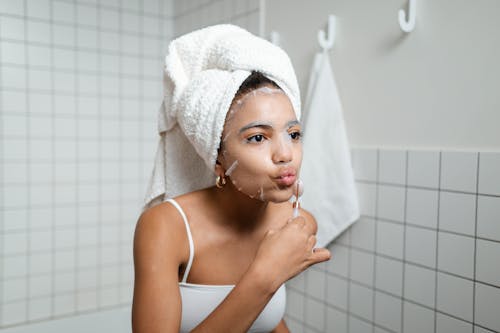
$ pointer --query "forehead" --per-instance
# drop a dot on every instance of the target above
(274, 107)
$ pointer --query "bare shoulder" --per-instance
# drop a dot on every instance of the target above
(158, 231)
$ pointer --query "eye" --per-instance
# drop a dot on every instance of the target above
(296, 135)
(258, 138)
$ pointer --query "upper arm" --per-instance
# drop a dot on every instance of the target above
(156, 303)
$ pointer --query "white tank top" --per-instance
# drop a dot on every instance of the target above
(199, 300)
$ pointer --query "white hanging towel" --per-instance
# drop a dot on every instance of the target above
(329, 189)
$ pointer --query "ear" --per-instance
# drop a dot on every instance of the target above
(218, 168)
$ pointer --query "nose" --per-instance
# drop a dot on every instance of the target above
(282, 150)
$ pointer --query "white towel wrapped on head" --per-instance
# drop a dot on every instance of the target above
(203, 71)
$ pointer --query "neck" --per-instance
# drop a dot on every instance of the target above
(237, 209)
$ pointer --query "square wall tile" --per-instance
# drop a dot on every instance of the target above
(488, 217)
(478, 329)
(315, 314)
(359, 326)
(390, 239)
(457, 212)
(316, 284)
(392, 166)
(363, 234)
(459, 171)
(388, 311)
(454, 296)
(488, 262)
(420, 284)
(362, 267)
(361, 301)
(298, 282)
(417, 319)
(423, 169)
(446, 324)
(295, 304)
(336, 292)
(336, 321)
(489, 173)
(364, 164)
(456, 254)
(39, 308)
(422, 207)
(339, 262)
(367, 195)
(389, 275)
(13, 313)
(420, 246)
(391, 202)
(487, 305)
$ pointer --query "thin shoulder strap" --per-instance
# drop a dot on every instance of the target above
(190, 238)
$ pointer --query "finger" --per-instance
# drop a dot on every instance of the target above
(298, 221)
(320, 255)
(311, 241)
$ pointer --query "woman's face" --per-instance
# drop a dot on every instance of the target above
(262, 145)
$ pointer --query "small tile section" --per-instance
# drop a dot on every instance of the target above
(391, 203)
(392, 166)
(446, 324)
(459, 171)
(457, 212)
(389, 275)
(486, 309)
(417, 319)
(454, 296)
(423, 258)
(420, 246)
(456, 254)
(423, 169)
(488, 253)
(419, 285)
(489, 175)
(488, 217)
(422, 207)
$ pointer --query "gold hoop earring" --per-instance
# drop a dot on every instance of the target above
(219, 183)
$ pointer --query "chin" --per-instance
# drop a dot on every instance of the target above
(279, 196)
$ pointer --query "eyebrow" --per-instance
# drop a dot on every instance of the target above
(266, 125)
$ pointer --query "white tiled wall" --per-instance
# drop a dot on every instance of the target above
(80, 88)
(424, 256)
(195, 14)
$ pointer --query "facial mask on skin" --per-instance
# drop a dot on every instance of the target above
(248, 159)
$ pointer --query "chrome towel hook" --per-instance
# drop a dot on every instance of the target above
(327, 43)
(408, 25)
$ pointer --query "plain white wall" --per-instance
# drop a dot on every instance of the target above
(434, 88)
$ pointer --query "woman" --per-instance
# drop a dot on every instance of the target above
(216, 259)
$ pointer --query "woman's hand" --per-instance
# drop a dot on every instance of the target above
(286, 252)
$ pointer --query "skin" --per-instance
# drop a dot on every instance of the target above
(254, 242)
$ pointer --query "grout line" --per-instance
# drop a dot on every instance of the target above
(53, 169)
(28, 164)
(2, 194)
(405, 210)
(77, 171)
(99, 223)
(438, 226)
(375, 242)
(120, 149)
(475, 245)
